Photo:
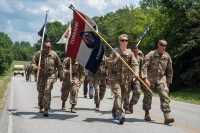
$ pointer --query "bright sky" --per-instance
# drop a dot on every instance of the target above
(22, 19)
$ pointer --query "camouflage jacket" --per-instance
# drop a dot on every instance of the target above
(77, 69)
(102, 71)
(50, 63)
(158, 68)
(118, 71)
(140, 61)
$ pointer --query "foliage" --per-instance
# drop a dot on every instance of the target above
(55, 30)
(23, 51)
(6, 48)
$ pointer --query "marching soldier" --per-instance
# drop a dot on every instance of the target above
(85, 86)
(119, 76)
(157, 73)
(135, 85)
(98, 80)
(28, 73)
(73, 85)
(50, 63)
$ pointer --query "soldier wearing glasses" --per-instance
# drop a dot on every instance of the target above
(50, 63)
(157, 73)
(119, 76)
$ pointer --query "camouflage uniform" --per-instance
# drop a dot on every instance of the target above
(85, 85)
(99, 82)
(28, 71)
(120, 77)
(49, 64)
(135, 87)
(73, 87)
(158, 70)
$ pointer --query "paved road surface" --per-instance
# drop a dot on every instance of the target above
(20, 114)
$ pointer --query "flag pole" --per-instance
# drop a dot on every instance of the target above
(137, 77)
(143, 35)
(39, 62)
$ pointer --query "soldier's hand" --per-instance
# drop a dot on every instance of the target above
(67, 71)
(116, 57)
(146, 81)
(135, 77)
(38, 68)
(90, 83)
(109, 82)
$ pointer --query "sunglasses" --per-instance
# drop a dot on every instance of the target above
(162, 45)
(124, 40)
(47, 47)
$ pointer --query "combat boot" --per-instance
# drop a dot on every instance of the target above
(127, 111)
(168, 119)
(41, 110)
(73, 109)
(97, 107)
(131, 108)
(147, 116)
(91, 92)
(63, 106)
(46, 114)
(120, 118)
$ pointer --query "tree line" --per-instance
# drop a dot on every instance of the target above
(178, 21)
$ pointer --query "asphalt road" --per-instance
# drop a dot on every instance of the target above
(20, 114)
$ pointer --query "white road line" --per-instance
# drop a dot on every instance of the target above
(10, 119)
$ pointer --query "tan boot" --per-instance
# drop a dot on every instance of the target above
(46, 114)
(168, 119)
(147, 116)
(73, 109)
(131, 108)
(63, 106)
(97, 107)
(41, 110)
(127, 111)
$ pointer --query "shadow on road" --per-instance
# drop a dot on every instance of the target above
(88, 109)
(37, 115)
(99, 120)
(56, 97)
(128, 120)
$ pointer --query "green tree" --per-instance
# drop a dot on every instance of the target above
(6, 47)
(23, 51)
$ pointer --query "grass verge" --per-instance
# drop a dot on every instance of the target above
(186, 95)
(5, 79)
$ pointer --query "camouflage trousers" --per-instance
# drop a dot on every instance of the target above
(100, 89)
(162, 91)
(85, 86)
(71, 88)
(44, 87)
(65, 89)
(135, 87)
(118, 90)
(28, 76)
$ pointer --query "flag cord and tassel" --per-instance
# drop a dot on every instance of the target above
(137, 77)
(39, 62)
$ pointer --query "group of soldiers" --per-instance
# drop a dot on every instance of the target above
(155, 69)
